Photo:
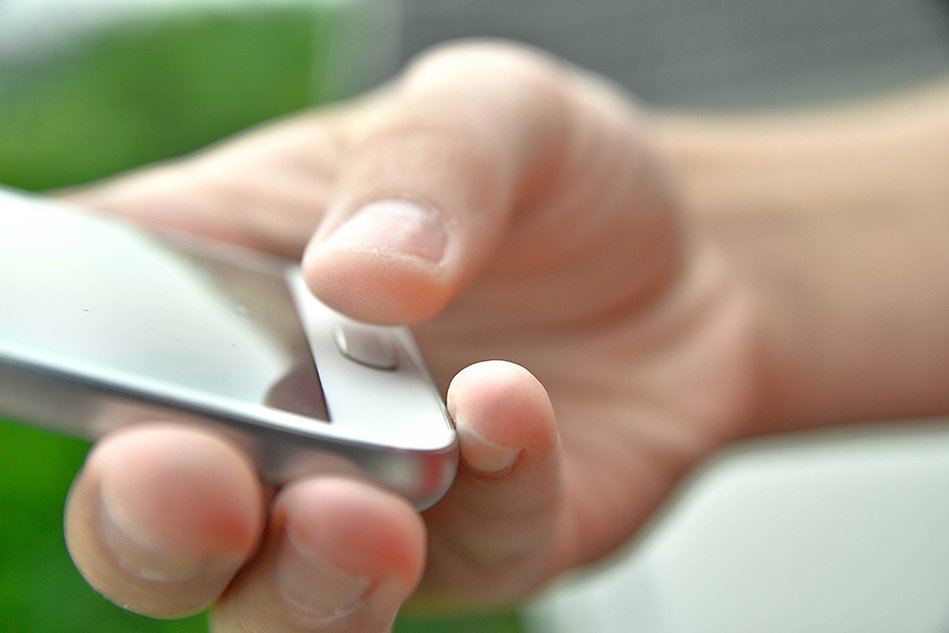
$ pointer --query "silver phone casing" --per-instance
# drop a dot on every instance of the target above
(390, 423)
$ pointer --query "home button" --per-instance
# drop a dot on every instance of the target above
(366, 346)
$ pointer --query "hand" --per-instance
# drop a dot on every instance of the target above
(511, 208)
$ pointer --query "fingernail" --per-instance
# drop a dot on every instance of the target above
(394, 226)
(315, 588)
(140, 553)
(483, 455)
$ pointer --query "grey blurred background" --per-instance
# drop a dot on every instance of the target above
(714, 53)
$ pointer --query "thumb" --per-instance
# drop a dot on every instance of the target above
(425, 194)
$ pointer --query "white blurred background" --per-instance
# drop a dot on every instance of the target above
(838, 532)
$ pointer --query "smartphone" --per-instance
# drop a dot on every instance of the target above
(104, 324)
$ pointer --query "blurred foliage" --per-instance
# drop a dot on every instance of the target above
(499, 623)
(40, 591)
(129, 94)
(149, 89)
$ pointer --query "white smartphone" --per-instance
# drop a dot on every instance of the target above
(104, 324)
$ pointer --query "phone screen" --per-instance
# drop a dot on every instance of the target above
(128, 304)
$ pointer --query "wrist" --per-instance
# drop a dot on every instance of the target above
(836, 225)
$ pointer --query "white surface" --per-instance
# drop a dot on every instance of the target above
(843, 533)
(27, 26)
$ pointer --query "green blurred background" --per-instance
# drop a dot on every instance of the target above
(94, 101)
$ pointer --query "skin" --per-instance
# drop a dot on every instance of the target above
(648, 274)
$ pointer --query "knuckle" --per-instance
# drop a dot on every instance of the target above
(413, 156)
(532, 68)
